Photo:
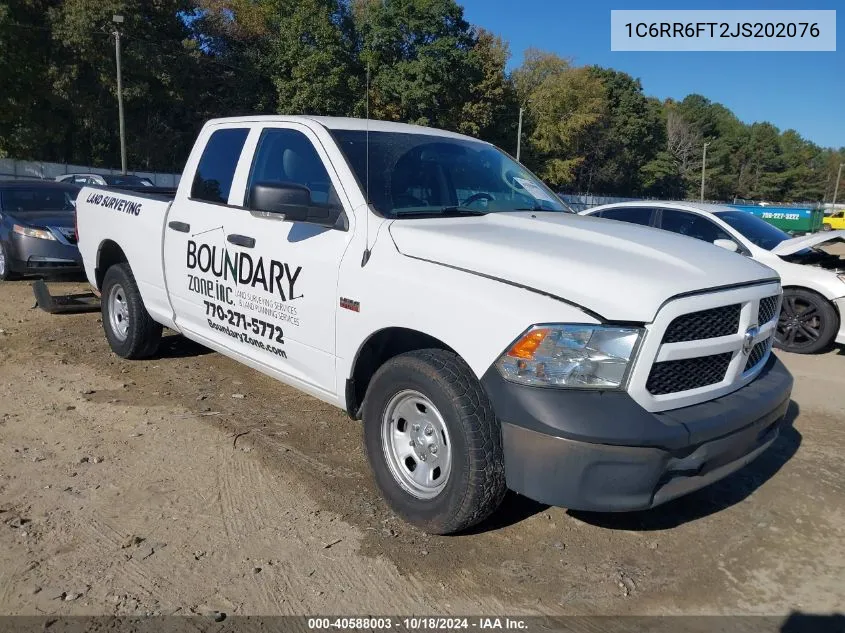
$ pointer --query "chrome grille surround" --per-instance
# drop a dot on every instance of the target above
(740, 345)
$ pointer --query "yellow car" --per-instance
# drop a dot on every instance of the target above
(835, 221)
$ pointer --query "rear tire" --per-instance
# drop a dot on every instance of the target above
(6, 273)
(453, 476)
(807, 323)
(130, 330)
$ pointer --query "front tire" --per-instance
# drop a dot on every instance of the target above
(130, 330)
(433, 441)
(807, 323)
(6, 273)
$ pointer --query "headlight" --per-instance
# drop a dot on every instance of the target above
(41, 234)
(564, 355)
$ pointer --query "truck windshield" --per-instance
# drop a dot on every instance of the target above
(421, 174)
(754, 229)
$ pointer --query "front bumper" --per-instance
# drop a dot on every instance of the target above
(601, 451)
(30, 255)
(840, 307)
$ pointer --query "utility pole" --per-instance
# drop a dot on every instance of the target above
(836, 187)
(118, 19)
(703, 165)
(519, 135)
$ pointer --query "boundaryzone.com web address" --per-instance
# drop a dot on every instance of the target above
(684, 30)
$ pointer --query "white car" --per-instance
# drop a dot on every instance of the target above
(813, 280)
(430, 285)
(106, 180)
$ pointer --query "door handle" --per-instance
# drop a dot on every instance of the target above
(182, 227)
(241, 240)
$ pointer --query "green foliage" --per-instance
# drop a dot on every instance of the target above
(586, 129)
(565, 106)
(313, 60)
(418, 53)
(489, 111)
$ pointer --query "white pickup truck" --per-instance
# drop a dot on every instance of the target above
(430, 285)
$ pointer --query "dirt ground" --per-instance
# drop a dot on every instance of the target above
(192, 484)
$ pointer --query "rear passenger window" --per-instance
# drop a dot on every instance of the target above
(216, 168)
(634, 215)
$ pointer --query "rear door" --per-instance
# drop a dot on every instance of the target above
(195, 247)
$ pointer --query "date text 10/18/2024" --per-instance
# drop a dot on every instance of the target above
(418, 623)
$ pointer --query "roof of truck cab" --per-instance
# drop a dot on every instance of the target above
(344, 123)
(703, 207)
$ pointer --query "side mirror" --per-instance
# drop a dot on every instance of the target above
(728, 245)
(292, 201)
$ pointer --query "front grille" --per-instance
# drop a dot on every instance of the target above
(710, 323)
(757, 354)
(672, 376)
(766, 311)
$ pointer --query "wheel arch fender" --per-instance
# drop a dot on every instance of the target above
(109, 253)
(379, 347)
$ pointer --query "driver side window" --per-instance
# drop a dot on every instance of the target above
(692, 225)
(287, 156)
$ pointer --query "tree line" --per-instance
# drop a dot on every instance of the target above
(586, 129)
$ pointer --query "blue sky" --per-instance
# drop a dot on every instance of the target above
(803, 91)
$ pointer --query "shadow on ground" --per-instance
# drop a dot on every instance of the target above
(798, 622)
(711, 499)
(514, 509)
(177, 346)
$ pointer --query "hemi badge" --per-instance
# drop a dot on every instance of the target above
(349, 304)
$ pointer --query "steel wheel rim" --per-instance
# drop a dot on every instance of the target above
(799, 323)
(2, 262)
(416, 444)
(118, 312)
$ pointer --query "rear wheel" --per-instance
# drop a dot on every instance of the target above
(130, 330)
(433, 442)
(807, 323)
(6, 273)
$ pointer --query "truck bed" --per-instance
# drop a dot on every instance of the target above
(111, 221)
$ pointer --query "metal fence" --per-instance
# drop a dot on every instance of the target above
(13, 169)
(579, 202)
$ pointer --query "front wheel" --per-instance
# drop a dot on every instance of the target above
(807, 323)
(130, 330)
(433, 442)
(6, 273)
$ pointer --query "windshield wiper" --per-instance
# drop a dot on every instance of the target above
(454, 211)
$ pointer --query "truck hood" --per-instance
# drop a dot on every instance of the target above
(788, 247)
(621, 271)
